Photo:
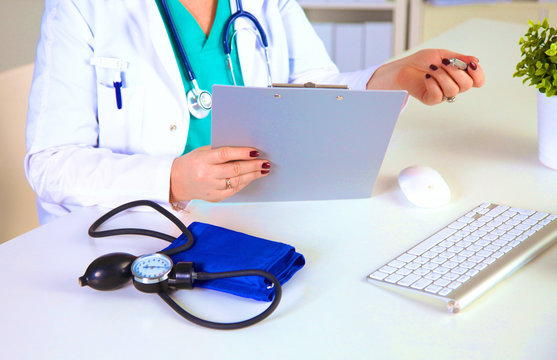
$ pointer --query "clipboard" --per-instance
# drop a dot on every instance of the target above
(323, 143)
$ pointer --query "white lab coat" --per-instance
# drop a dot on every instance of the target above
(83, 151)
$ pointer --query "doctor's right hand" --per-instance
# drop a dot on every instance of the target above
(215, 174)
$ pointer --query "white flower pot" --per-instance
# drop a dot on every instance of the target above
(547, 130)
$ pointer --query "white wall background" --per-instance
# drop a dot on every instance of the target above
(19, 31)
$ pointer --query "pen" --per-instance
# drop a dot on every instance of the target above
(461, 65)
(117, 89)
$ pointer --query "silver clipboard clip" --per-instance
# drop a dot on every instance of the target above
(310, 85)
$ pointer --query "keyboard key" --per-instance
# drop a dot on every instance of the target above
(451, 276)
(421, 271)
(397, 264)
(438, 260)
(445, 291)
(379, 275)
(388, 269)
(463, 278)
(403, 271)
(406, 258)
(492, 247)
(530, 222)
(420, 284)
(457, 225)
(523, 211)
(393, 278)
(459, 259)
(455, 284)
(421, 260)
(412, 266)
(441, 270)
(539, 216)
(409, 280)
(489, 260)
(431, 241)
(430, 266)
(473, 272)
(442, 282)
(468, 264)
(467, 253)
(476, 259)
(432, 276)
(497, 211)
(459, 270)
(484, 253)
(433, 289)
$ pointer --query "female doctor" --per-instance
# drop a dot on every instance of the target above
(108, 120)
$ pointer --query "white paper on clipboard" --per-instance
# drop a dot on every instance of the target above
(323, 144)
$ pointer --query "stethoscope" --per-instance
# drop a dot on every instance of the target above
(157, 274)
(200, 101)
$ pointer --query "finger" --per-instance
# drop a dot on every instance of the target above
(240, 182)
(237, 168)
(474, 69)
(461, 78)
(433, 93)
(230, 153)
(446, 82)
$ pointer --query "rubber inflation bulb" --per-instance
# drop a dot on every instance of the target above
(108, 272)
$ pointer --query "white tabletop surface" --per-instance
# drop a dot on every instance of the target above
(484, 145)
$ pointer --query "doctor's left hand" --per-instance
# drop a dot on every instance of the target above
(215, 174)
(429, 76)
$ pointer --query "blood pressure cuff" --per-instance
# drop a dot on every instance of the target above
(217, 249)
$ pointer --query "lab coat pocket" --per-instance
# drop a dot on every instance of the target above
(120, 129)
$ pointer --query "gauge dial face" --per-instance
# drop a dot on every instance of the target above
(151, 268)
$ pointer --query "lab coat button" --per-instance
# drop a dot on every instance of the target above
(172, 127)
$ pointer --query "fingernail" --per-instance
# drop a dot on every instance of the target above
(433, 67)
(473, 65)
(446, 61)
(427, 76)
(254, 153)
(266, 165)
(265, 172)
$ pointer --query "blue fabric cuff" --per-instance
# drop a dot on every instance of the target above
(218, 249)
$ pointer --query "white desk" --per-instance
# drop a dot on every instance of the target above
(485, 146)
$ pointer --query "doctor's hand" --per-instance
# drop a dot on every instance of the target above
(215, 174)
(429, 76)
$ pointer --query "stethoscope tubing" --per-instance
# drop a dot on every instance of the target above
(200, 109)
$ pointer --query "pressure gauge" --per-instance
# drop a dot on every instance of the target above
(150, 272)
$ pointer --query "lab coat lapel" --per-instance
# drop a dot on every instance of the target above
(163, 47)
(250, 52)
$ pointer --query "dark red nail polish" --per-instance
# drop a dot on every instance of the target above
(265, 172)
(433, 67)
(446, 61)
(254, 153)
(427, 76)
(473, 65)
(266, 165)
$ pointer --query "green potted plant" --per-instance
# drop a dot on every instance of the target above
(539, 67)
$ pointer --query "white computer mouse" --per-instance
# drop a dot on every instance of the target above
(424, 187)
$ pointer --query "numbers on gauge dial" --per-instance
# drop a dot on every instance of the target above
(152, 266)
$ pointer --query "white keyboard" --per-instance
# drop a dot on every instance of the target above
(470, 255)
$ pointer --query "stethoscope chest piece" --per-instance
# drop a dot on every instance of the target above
(200, 105)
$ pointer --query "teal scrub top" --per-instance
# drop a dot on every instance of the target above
(207, 59)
